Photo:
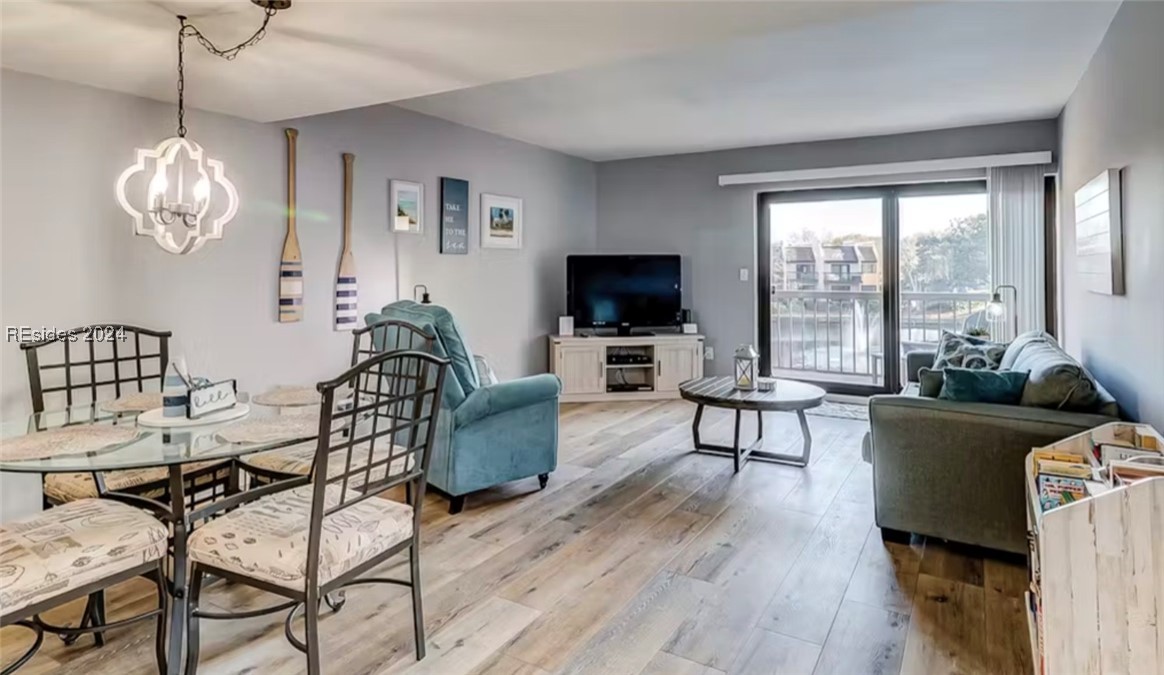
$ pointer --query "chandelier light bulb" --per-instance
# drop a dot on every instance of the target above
(201, 191)
(159, 185)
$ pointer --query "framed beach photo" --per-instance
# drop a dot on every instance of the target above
(500, 221)
(405, 207)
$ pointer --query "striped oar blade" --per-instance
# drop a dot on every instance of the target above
(346, 301)
(290, 290)
(345, 280)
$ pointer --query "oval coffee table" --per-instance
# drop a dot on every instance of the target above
(721, 392)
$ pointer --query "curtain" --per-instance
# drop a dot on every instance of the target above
(1017, 246)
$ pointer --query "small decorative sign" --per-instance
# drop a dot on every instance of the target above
(212, 397)
(454, 216)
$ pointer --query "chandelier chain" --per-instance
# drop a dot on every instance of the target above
(190, 30)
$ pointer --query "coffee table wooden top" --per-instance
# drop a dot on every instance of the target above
(721, 392)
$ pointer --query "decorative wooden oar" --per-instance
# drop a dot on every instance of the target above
(345, 281)
(291, 264)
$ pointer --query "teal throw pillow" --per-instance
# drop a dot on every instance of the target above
(973, 385)
(930, 382)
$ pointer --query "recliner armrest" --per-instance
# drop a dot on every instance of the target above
(505, 396)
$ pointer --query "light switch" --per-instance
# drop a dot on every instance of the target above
(743, 274)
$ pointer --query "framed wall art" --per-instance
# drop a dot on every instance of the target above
(1099, 234)
(500, 221)
(406, 206)
(454, 216)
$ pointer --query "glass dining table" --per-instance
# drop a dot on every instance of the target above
(154, 447)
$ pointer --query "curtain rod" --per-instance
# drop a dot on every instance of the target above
(863, 170)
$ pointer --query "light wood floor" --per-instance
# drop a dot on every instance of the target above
(641, 557)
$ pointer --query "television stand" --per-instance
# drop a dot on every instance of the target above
(622, 332)
(625, 368)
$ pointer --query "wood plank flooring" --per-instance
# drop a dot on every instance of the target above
(639, 558)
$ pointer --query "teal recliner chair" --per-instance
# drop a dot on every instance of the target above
(487, 433)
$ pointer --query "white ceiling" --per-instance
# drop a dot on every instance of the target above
(322, 56)
(908, 68)
(600, 80)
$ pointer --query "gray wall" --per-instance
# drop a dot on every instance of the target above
(1115, 119)
(673, 204)
(69, 258)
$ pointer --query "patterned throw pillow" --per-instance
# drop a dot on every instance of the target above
(484, 371)
(967, 351)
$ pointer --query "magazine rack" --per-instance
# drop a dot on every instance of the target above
(1097, 576)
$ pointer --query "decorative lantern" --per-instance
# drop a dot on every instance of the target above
(746, 366)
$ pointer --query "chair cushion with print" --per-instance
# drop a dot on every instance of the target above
(267, 539)
(62, 488)
(297, 460)
(73, 545)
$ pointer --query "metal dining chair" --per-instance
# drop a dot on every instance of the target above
(72, 551)
(350, 529)
(98, 363)
(368, 341)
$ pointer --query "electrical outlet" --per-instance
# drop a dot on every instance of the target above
(743, 274)
(709, 353)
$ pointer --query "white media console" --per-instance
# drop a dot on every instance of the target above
(636, 368)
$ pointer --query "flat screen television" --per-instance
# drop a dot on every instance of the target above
(624, 291)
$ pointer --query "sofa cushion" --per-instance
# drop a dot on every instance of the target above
(966, 351)
(930, 382)
(1019, 344)
(66, 547)
(1056, 380)
(448, 333)
(978, 385)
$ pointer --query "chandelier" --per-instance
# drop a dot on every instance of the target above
(175, 205)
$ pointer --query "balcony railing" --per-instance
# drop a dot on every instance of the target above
(837, 335)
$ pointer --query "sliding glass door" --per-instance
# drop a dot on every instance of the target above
(852, 279)
(944, 245)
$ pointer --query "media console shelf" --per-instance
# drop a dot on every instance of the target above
(636, 368)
